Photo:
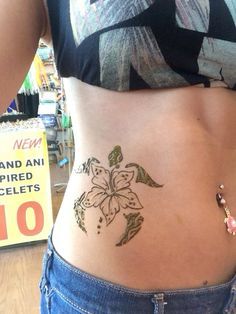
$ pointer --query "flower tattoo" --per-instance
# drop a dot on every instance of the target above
(111, 193)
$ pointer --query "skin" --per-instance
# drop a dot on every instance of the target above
(184, 138)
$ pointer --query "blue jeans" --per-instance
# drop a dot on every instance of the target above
(66, 289)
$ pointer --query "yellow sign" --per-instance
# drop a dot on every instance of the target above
(25, 190)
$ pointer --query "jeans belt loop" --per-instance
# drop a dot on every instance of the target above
(159, 303)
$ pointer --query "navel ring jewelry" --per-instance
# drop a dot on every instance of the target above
(230, 221)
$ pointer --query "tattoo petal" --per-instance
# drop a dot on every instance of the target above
(128, 199)
(95, 197)
(110, 207)
(122, 179)
(101, 176)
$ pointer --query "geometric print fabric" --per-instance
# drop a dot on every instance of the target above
(133, 44)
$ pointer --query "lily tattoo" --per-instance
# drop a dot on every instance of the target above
(111, 193)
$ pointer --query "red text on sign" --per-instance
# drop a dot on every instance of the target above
(27, 143)
(22, 220)
(3, 225)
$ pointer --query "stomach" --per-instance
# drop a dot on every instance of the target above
(140, 207)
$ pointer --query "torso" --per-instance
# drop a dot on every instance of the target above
(185, 139)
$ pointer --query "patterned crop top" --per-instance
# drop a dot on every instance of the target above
(139, 44)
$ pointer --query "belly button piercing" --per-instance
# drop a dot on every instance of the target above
(230, 221)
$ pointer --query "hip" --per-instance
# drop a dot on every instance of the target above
(68, 289)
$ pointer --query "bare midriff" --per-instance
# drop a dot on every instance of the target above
(185, 139)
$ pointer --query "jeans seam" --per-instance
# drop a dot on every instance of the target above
(44, 278)
(159, 303)
(70, 301)
(232, 301)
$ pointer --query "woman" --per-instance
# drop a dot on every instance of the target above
(150, 85)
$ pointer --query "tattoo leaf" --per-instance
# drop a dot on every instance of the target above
(115, 157)
(80, 212)
(134, 224)
(144, 177)
(86, 166)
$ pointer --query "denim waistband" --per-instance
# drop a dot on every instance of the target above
(72, 282)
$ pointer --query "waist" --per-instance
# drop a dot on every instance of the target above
(142, 194)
